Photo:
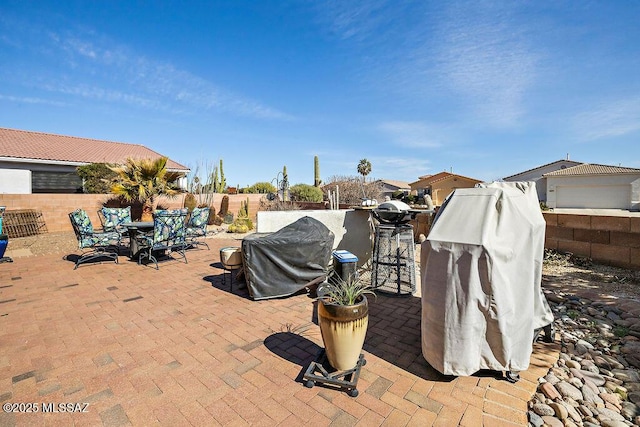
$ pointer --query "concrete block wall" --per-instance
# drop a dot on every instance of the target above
(56, 207)
(612, 240)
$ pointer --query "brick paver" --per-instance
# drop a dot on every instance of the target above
(176, 347)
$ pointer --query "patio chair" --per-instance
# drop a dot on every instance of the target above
(197, 227)
(112, 219)
(168, 235)
(97, 243)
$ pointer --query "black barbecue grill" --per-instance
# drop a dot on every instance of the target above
(393, 212)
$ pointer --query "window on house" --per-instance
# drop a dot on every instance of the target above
(55, 182)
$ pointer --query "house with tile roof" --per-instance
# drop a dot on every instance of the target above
(440, 185)
(536, 175)
(594, 186)
(35, 162)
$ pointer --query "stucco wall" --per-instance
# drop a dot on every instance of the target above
(15, 181)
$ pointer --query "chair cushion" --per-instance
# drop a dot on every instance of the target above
(113, 217)
(199, 217)
(82, 221)
(169, 227)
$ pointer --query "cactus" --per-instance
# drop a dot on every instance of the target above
(190, 201)
(316, 172)
(285, 185)
(244, 209)
(224, 206)
(223, 181)
(216, 180)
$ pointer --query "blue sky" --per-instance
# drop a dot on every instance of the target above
(485, 89)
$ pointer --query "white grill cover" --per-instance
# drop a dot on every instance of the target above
(481, 270)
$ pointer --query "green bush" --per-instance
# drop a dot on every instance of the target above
(97, 177)
(260, 188)
(305, 193)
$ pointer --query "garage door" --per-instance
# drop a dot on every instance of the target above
(595, 197)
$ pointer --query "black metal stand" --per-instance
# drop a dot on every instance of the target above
(347, 380)
(5, 259)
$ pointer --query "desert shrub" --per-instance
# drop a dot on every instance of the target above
(277, 205)
(306, 193)
(260, 188)
(350, 189)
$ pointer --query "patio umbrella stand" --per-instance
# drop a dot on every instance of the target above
(321, 372)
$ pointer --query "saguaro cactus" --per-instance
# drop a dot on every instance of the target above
(223, 181)
(316, 172)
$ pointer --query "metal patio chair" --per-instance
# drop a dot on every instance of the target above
(168, 235)
(94, 244)
(197, 227)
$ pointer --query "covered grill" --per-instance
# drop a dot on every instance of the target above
(481, 271)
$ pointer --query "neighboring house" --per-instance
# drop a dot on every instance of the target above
(594, 186)
(537, 175)
(34, 162)
(440, 185)
(390, 186)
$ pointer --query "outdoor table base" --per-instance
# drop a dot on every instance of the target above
(319, 372)
(136, 229)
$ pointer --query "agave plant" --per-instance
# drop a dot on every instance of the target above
(143, 181)
(340, 291)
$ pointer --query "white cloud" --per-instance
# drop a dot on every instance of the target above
(356, 20)
(484, 56)
(613, 119)
(101, 69)
(31, 100)
(411, 134)
(400, 168)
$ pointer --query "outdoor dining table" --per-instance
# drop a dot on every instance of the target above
(136, 229)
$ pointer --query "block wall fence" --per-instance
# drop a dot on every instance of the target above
(612, 240)
(56, 207)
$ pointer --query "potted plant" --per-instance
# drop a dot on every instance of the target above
(343, 316)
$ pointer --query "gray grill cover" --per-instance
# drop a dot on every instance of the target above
(482, 268)
(284, 262)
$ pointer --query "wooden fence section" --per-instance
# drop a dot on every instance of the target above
(612, 240)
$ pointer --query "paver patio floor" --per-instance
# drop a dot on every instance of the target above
(176, 347)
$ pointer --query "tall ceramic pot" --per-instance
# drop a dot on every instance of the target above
(343, 329)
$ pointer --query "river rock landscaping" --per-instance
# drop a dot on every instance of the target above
(596, 380)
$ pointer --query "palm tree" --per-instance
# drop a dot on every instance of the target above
(364, 169)
(143, 181)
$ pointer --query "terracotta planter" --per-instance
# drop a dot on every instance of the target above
(343, 329)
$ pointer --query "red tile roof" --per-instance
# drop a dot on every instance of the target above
(27, 145)
(593, 169)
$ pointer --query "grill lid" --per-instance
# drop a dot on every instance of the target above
(392, 212)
